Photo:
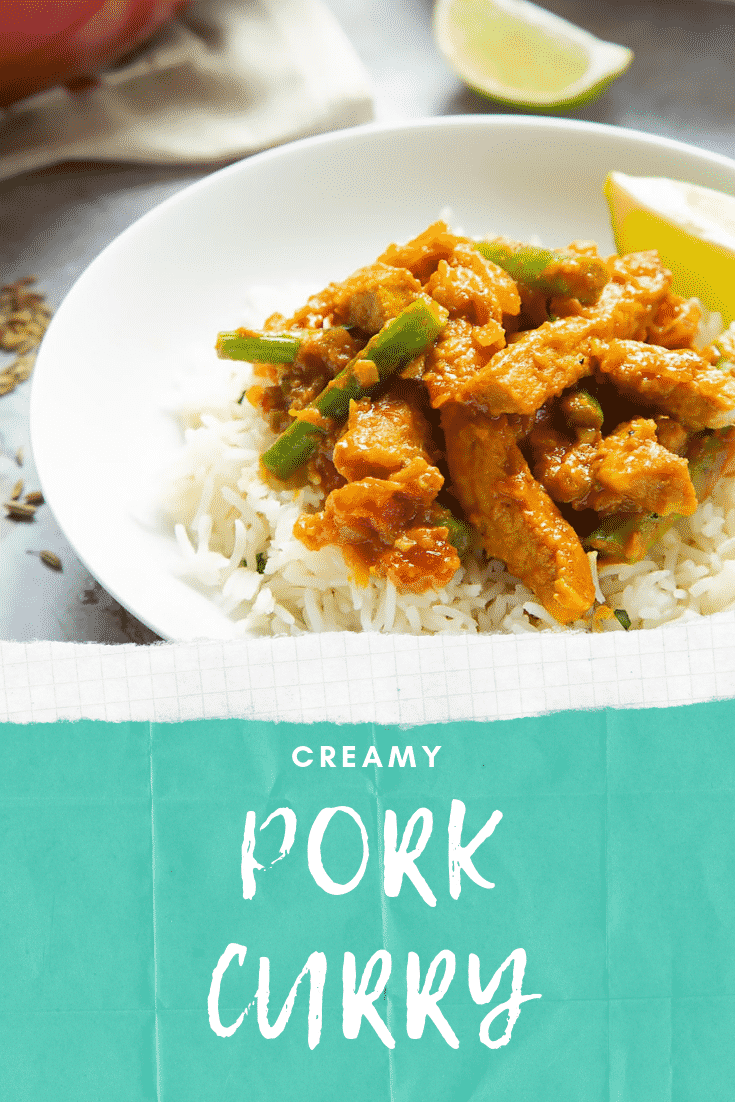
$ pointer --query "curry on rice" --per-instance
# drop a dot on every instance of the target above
(462, 396)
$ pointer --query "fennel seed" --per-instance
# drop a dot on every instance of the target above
(19, 510)
(24, 318)
(53, 561)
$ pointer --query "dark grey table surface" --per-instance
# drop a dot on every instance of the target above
(54, 222)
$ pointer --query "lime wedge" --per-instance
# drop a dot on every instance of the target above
(521, 54)
(692, 227)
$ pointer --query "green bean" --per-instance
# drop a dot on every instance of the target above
(395, 345)
(459, 531)
(582, 410)
(709, 455)
(627, 537)
(264, 348)
(556, 274)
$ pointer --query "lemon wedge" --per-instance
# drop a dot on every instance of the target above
(692, 227)
(521, 54)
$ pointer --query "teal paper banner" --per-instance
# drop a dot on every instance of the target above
(548, 905)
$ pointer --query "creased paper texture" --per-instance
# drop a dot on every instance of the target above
(141, 930)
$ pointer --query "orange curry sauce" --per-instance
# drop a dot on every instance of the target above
(534, 418)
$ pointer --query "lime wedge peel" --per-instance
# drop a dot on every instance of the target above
(692, 227)
(520, 54)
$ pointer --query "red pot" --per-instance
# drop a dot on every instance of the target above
(48, 42)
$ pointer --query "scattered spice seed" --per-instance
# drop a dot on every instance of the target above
(53, 561)
(18, 510)
(17, 490)
(19, 456)
(24, 318)
(35, 497)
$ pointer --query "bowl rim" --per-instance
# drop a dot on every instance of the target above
(525, 122)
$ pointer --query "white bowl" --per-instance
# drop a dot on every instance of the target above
(310, 211)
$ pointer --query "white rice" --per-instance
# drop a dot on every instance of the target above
(228, 522)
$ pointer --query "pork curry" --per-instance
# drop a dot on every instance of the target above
(461, 396)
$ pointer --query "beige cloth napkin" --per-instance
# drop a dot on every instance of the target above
(224, 79)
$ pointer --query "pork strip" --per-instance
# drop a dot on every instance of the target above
(628, 471)
(378, 292)
(422, 254)
(460, 351)
(383, 436)
(472, 287)
(680, 382)
(543, 362)
(516, 518)
(387, 527)
(537, 366)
